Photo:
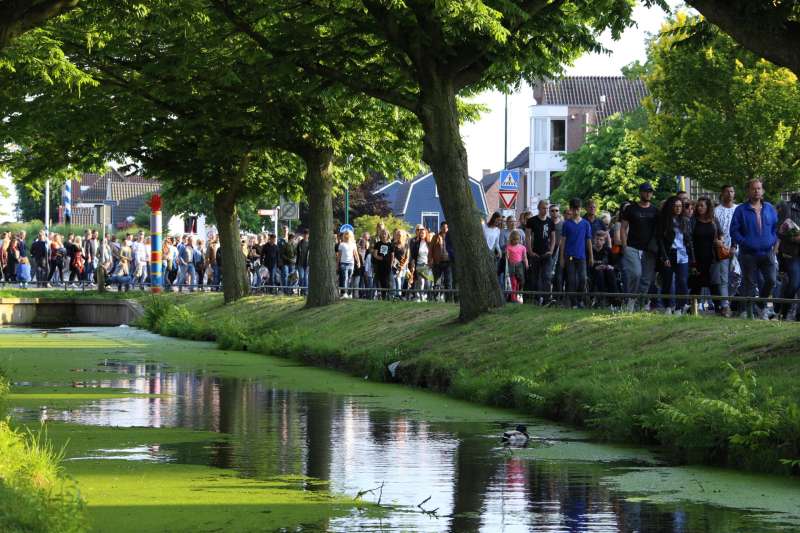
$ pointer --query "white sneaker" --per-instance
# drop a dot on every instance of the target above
(678, 312)
(667, 311)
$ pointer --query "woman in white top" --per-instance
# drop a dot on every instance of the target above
(419, 262)
(492, 233)
(346, 258)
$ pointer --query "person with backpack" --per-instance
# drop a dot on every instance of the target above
(76, 261)
(188, 272)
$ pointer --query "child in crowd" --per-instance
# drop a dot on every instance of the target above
(23, 272)
(516, 259)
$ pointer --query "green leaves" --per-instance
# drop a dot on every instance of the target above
(721, 115)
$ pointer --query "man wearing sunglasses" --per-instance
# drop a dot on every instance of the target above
(638, 229)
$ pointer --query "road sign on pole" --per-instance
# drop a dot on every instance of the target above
(267, 212)
(509, 198)
(290, 210)
(509, 180)
(346, 227)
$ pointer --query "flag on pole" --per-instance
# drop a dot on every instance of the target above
(67, 200)
(679, 184)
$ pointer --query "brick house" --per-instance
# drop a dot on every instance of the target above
(563, 112)
(130, 193)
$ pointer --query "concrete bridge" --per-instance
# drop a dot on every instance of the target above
(69, 311)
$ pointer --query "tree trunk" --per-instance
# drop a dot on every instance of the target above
(322, 279)
(235, 284)
(444, 151)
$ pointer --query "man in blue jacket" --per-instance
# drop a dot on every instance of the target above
(754, 229)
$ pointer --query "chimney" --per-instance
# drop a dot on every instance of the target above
(487, 171)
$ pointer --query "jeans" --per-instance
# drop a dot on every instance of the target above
(752, 265)
(120, 281)
(541, 273)
(191, 276)
(215, 269)
(576, 277)
(90, 268)
(41, 271)
(421, 285)
(443, 279)
(605, 280)
(346, 275)
(624, 271)
(397, 282)
(724, 272)
(287, 269)
(641, 266)
(790, 285)
(302, 278)
(680, 273)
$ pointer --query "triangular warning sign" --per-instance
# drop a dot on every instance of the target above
(508, 198)
(509, 182)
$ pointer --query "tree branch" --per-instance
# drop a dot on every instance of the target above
(27, 17)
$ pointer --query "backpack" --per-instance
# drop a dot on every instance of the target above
(77, 261)
(187, 255)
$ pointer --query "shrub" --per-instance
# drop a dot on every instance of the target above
(748, 426)
(155, 311)
(35, 494)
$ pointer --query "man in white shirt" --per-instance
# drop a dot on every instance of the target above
(723, 213)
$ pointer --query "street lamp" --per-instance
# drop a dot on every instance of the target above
(17, 214)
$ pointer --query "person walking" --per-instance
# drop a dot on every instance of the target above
(707, 238)
(39, 252)
(12, 260)
(440, 262)
(400, 265)
(723, 213)
(576, 252)
(517, 263)
(383, 259)
(676, 252)
(420, 250)
(540, 236)
(303, 262)
(789, 255)
(637, 233)
(754, 229)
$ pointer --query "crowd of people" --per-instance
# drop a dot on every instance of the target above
(677, 248)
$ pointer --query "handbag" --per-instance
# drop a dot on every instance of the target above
(723, 252)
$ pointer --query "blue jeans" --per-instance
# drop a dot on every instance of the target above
(345, 275)
(397, 282)
(576, 276)
(302, 279)
(191, 272)
(791, 284)
(680, 273)
(215, 280)
(287, 269)
(752, 266)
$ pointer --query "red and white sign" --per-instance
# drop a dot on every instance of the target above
(267, 212)
(508, 198)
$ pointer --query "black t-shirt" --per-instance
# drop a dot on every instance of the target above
(703, 239)
(270, 255)
(540, 233)
(385, 250)
(641, 224)
(602, 257)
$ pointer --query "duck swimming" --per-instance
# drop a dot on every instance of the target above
(518, 437)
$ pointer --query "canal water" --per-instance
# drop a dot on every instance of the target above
(438, 467)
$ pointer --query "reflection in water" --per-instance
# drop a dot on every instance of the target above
(473, 484)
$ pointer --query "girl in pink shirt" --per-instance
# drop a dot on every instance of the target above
(517, 263)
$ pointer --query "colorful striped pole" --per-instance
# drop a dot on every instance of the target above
(156, 279)
(156, 276)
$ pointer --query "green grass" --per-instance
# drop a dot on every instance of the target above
(611, 371)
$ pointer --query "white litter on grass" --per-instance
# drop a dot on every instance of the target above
(393, 367)
(124, 326)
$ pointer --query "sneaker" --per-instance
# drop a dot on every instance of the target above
(575, 307)
(726, 312)
(678, 312)
(667, 311)
(631, 305)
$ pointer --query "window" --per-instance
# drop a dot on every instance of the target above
(431, 221)
(558, 135)
(540, 135)
(555, 181)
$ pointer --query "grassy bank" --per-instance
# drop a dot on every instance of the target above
(35, 494)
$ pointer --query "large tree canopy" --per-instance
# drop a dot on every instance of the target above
(721, 116)
(422, 56)
(768, 28)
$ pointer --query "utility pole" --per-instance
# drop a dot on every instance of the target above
(505, 143)
(347, 204)
(47, 209)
